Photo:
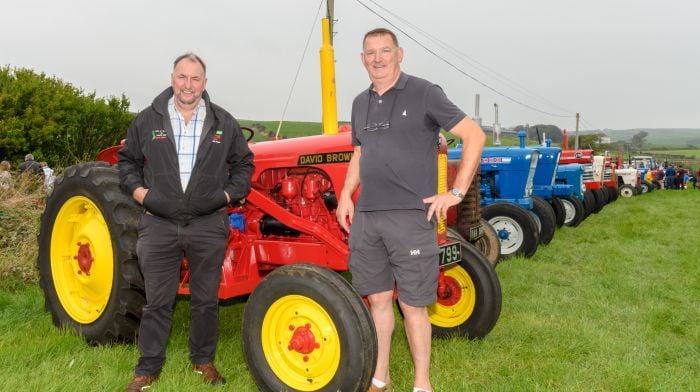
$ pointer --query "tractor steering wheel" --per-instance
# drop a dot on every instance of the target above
(251, 131)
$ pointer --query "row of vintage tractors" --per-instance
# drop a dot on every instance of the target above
(304, 327)
(526, 192)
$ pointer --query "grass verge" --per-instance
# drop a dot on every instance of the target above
(610, 305)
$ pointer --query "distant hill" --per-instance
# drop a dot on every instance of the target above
(659, 137)
(656, 138)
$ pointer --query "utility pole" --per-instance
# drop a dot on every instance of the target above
(576, 140)
(496, 128)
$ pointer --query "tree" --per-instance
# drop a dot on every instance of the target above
(55, 121)
(548, 131)
(638, 140)
(586, 141)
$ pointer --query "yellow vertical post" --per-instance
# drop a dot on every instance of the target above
(328, 97)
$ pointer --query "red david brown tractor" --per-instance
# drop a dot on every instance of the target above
(304, 327)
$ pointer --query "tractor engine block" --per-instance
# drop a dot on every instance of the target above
(303, 191)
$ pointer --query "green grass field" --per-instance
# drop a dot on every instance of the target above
(611, 305)
(689, 153)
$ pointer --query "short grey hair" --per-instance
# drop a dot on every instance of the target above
(381, 31)
(193, 57)
(29, 157)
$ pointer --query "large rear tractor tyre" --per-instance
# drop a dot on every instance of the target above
(469, 302)
(627, 190)
(516, 229)
(613, 193)
(575, 212)
(548, 220)
(87, 255)
(559, 211)
(306, 329)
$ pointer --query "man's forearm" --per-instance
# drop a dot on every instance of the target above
(352, 177)
(473, 139)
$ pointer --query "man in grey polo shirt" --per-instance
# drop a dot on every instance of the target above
(395, 128)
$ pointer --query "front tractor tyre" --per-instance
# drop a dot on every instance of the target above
(516, 228)
(601, 199)
(589, 202)
(306, 329)
(469, 296)
(547, 217)
(488, 244)
(627, 190)
(87, 260)
(575, 212)
(559, 211)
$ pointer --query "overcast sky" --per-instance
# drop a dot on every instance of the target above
(620, 63)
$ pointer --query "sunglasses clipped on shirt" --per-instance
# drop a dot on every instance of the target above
(380, 126)
(371, 127)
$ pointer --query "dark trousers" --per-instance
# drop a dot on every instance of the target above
(160, 248)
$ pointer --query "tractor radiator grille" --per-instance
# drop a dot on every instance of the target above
(588, 172)
(607, 175)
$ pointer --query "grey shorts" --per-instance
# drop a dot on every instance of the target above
(397, 247)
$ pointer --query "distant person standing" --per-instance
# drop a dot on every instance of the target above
(5, 175)
(670, 177)
(30, 166)
(48, 176)
(659, 177)
(681, 177)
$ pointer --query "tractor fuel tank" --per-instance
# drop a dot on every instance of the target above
(506, 173)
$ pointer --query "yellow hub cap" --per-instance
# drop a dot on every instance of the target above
(301, 343)
(82, 264)
(454, 311)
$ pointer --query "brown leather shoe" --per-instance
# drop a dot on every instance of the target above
(209, 373)
(140, 383)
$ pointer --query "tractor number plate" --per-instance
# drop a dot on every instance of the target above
(476, 232)
(450, 253)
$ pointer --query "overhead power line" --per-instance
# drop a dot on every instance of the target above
(473, 62)
(475, 79)
(296, 76)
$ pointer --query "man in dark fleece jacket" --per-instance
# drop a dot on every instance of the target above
(185, 159)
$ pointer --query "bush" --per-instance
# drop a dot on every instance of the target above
(20, 209)
(55, 121)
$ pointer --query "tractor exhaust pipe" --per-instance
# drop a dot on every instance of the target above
(476, 118)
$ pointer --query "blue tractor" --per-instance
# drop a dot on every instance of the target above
(575, 210)
(506, 204)
(558, 193)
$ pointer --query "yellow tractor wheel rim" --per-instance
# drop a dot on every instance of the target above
(81, 233)
(454, 315)
(301, 343)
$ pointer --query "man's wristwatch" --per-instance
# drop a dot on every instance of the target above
(457, 192)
